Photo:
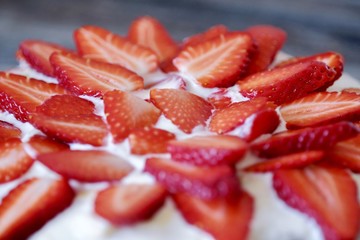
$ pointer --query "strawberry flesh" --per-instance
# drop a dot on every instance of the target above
(347, 154)
(8, 130)
(41, 144)
(86, 166)
(209, 34)
(129, 203)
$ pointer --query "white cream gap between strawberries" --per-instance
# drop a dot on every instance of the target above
(272, 218)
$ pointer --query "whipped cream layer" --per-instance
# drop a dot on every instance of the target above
(272, 218)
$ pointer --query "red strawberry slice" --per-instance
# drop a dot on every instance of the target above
(347, 154)
(149, 140)
(84, 128)
(42, 144)
(126, 113)
(295, 160)
(250, 119)
(102, 45)
(286, 84)
(60, 105)
(269, 40)
(8, 130)
(149, 32)
(209, 34)
(182, 108)
(317, 138)
(86, 166)
(37, 54)
(218, 62)
(321, 108)
(208, 150)
(220, 99)
(129, 204)
(89, 77)
(179, 177)
(332, 59)
(328, 195)
(225, 220)
(32, 204)
(14, 161)
(20, 95)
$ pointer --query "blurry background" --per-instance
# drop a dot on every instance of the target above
(312, 25)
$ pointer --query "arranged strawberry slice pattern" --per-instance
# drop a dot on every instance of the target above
(100, 124)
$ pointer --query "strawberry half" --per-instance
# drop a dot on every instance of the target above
(178, 177)
(328, 195)
(250, 119)
(129, 203)
(32, 204)
(317, 138)
(288, 83)
(8, 130)
(347, 154)
(209, 34)
(321, 108)
(268, 40)
(42, 144)
(225, 220)
(126, 113)
(60, 105)
(37, 54)
(149, 140)
(218, 62)
(332, 59)
(182, 108)
(102, 45)
(295, 160)
(149, 32)
(20, 95)
(89, 77)
(14, 161)
(86, 166)
(81, 128)
(208, 150)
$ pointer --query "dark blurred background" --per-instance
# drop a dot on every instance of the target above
(312, 25)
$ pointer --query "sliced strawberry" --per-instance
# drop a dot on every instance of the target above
(321, 108)
(182, 108)
(347, 153)
(295, 160)
(14, 161)
(102, 45)
(208, 150)
(60, 105)
(130, 203)
(32, 204)
(126, 113)
(20, 95)
(286, 84)
(37, 54)
(89, 77)
(149, 32)
(182, 177)
(317, 138)
(269, 40)
(42, 144)
(220, 99)
(328, 195)
(352, 90)
(250, 119)
(149, 140)
(332, 59)
(86, 166)
(85, 128)
(225, 220)
(218, 62)
(8, 130)
(209, 34)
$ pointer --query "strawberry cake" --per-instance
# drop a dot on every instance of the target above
(218, 137)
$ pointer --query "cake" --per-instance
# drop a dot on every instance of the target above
(141, 137)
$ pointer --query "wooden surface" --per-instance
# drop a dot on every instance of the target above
(312, 25)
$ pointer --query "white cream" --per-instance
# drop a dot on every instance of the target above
(273, 219)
